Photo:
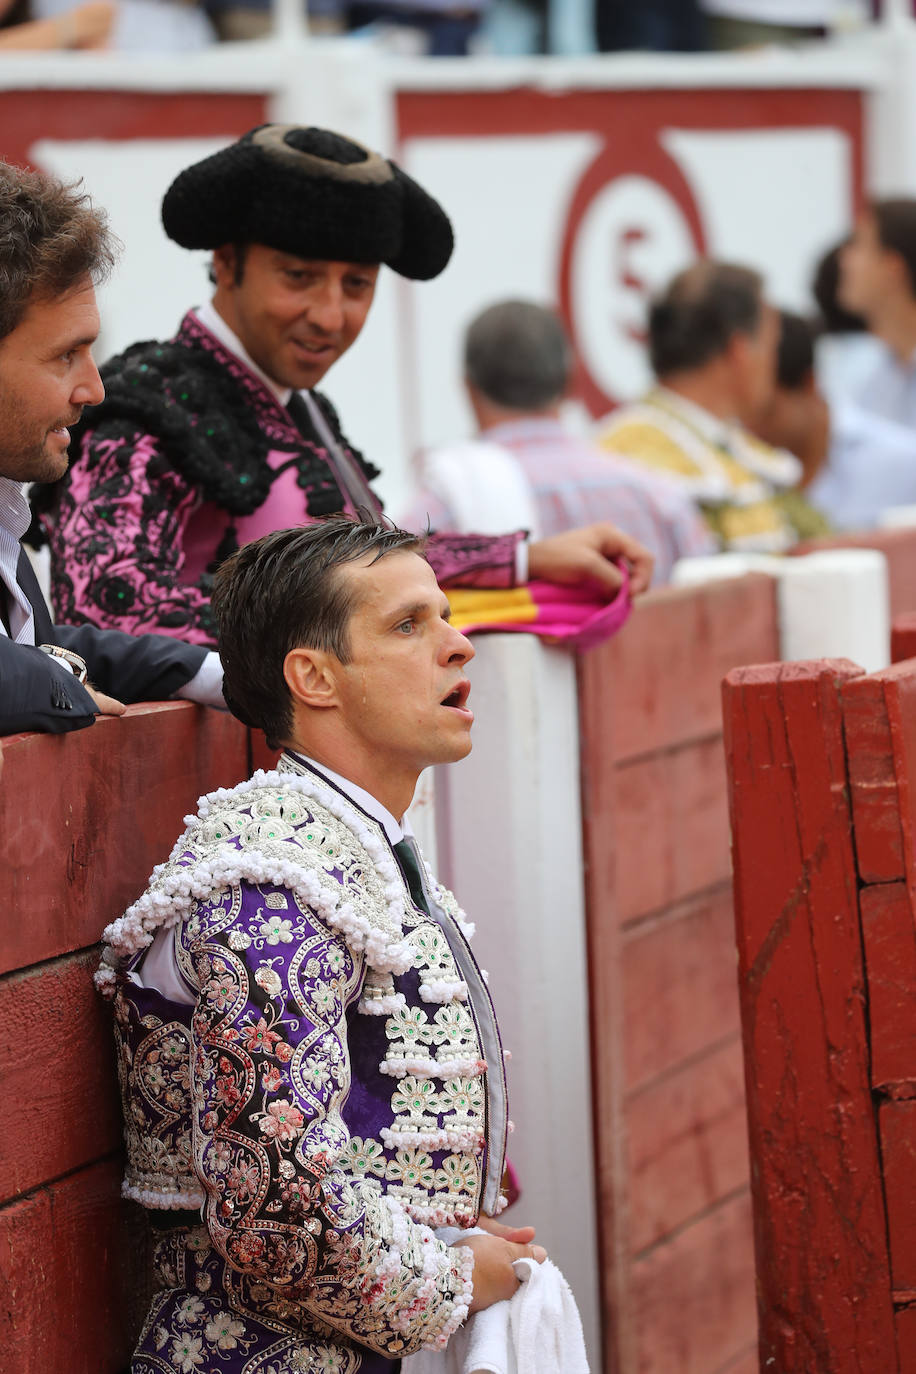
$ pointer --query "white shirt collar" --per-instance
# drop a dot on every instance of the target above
(211, 319)
(15, 518)
(396, 830)
(14, 508)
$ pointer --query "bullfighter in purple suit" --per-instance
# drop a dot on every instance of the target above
(218, 437)
(314, 1097)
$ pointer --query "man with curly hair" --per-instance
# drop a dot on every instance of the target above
(54, 248)
(218, 437)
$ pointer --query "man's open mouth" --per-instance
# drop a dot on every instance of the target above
(457, 697)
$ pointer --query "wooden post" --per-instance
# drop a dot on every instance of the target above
(823, 1274)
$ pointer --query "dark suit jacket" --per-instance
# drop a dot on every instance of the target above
(36, 695)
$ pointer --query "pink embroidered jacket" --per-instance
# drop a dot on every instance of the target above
(188, 457)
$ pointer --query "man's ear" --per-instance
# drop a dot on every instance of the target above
(224, 264)
(310, 677)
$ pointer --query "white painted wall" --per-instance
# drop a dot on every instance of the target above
(510, 843)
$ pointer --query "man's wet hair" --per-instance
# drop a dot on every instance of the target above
(895, 219)
(52, 238)
(694, 320)
(284, 592)
(517, 355)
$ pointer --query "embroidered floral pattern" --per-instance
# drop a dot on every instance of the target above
(307, 1213)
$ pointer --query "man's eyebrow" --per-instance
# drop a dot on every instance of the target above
(67, 345)
(414, 608)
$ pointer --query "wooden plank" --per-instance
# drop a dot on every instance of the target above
(86, 816)
(873, 781)
(900, 697)
(905, 1321)
(889, 934)
(672, 835)
(897, 1122)
(694, 1296)
(823, 1270)
(667, 668)
(606, 1016)
(57, 1067)
(903, 637)
(679, 986)
(686, 1144)
(73, 1276)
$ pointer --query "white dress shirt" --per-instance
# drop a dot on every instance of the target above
(15, 519)
(205, 687)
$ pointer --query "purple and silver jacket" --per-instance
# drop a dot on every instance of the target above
(334, 1092)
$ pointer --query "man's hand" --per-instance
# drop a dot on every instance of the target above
(585, 555)
(108, 706)
(494, 1254)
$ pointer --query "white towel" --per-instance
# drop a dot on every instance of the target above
(537, 1332)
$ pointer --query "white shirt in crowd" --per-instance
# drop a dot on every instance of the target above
(798, 13)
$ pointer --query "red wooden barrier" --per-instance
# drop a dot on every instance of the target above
(903, 637)
(671, 1139)
(822, 767)
(84, 818)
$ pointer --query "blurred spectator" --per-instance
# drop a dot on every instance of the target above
(712, 343)
(857, 465)
(126, 26)
(653, 25)
(878, 281)
(83, 26)
(750, 23)
(844, 352)
(445, 27)
(526, 468)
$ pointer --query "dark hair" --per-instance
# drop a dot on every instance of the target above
(51, 237)
(283, 592)
(517, 354)
(700, 312)
(835, 318)
(896, 224)
(795, 358)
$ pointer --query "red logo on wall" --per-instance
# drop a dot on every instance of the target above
(632, 224)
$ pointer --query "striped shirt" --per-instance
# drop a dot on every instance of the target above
(573, 483)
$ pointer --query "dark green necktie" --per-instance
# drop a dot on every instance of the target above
(409, 860)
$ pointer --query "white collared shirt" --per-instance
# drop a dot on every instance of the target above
(394, 829)
(212, 320)
(14, 521)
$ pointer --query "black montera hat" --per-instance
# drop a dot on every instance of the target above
(312, 193)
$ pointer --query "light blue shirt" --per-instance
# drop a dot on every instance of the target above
(871, 468)
(888, 388)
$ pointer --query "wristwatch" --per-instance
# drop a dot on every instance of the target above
(78, 665)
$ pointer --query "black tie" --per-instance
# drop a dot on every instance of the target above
(351, 481)
(409, 861)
